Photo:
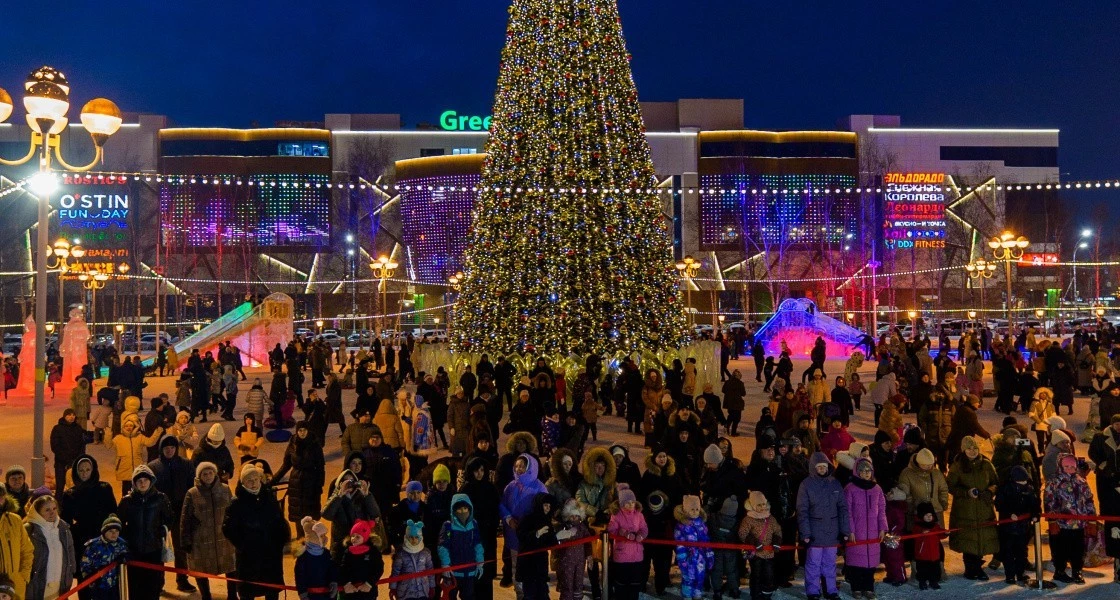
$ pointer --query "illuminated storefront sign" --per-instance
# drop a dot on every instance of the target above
(98, 212)
(450, 120)
(1036, 259)
(914, 211)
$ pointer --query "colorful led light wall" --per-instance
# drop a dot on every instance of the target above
(436, 221)
(293, 214)
(770, 218)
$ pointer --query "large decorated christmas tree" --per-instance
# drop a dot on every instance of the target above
(569, 251)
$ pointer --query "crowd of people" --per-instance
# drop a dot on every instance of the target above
(436, 474)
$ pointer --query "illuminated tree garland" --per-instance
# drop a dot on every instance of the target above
(555, 273)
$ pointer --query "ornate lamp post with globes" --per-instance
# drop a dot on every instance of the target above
(46, 99)
(456, 283)
(383, 268)
(1008, 248)
(688, 268)
(981, 270)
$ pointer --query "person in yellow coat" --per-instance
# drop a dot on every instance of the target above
(131, 446)
(18, 554)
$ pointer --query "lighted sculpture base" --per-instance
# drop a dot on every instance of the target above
(798, 324)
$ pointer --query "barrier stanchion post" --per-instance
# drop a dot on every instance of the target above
(122, 581)
(1038, 583)
(606, 564)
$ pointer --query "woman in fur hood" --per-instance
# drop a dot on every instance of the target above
(564, 477)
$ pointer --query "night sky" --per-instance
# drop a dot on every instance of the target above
(799, 65)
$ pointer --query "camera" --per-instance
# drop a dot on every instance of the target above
(1023, 443)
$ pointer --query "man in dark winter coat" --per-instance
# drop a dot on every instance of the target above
(382, 471)
(721, 479)
(174, 477)
(356, 435)
(256, 527)
(504, 373)
(162, 415)
(68, 442)
(764, 474)
(469, 382)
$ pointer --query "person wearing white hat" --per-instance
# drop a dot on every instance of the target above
(213, 449)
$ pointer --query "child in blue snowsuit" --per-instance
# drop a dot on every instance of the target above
(694, 563)
(99, 552)
(460, 542)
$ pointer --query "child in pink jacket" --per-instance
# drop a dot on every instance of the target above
(626, 559)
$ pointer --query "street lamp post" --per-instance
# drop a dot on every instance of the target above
(58, 259)
(456, 283)
(95, 280)
(1079, 246)
(1008, 248)
(1039, 313)
(972, 317)
(351, 258)
(383, 268)
(981, 270)
(1099, 311)
(688, 268)
(46, 99)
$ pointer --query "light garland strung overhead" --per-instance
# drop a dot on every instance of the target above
(211, 179)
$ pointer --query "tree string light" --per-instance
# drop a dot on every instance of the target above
(579, 260)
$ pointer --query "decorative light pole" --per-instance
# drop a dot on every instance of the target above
(94, 280)
(1080, 244)
(383, 268)
(456, 283)
(688, 268)
(1008, 248)
(46, 99)
(1099, 311)
(58, 259)
(972, 317)
(981, 270)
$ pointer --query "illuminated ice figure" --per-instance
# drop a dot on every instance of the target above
(798, 323)
(75, 341)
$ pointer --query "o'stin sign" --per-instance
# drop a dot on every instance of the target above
(98, 211)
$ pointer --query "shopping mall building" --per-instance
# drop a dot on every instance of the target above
(768, 214)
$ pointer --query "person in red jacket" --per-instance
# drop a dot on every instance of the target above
(927, 546)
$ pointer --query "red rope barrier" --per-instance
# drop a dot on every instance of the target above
(88, 580)
(909, 536)
(385, 580)
(578, 542)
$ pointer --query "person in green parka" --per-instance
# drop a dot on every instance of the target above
(972, 484)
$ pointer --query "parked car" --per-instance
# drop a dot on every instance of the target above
(12, 343)
(332, 339)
